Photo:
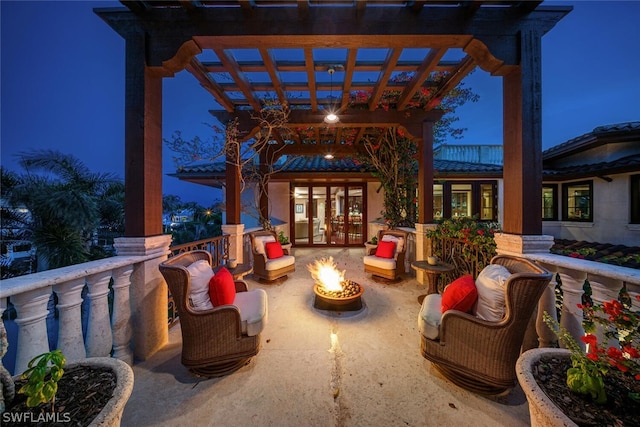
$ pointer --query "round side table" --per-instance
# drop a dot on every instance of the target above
(433, 273)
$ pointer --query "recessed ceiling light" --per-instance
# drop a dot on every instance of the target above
(331, 118)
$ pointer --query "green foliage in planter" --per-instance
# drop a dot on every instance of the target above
(469, 230)
(374, 240)
(42, 375)
(284, 240)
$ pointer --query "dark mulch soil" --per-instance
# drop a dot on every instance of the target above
(620, 410)
(82, 393)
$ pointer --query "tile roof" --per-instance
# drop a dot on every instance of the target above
(624, 164)
(302, 164)
(597, 136)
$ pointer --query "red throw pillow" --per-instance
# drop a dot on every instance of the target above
(386, 249)
(461, 294)
(222, 288)
(273, 250)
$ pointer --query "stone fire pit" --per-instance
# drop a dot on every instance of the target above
(332, 291)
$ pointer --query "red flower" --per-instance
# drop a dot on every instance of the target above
(631, 351)
(589, 339)
(593, 356)
(615, 353)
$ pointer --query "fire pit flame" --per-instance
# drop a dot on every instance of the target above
(332, 290)
(325, 272)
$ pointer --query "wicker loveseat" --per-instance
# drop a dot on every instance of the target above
(480, 355)
(216, 341)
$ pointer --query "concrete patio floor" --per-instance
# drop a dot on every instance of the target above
(371, 373)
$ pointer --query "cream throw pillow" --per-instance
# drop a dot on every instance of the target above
(200, 272)
(490, 286)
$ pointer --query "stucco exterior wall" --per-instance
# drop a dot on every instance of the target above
(375, 205)
(279, 200)
(611, 211)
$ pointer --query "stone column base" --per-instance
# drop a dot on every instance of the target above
(148, 293)
(515, 244)
(423, 248)
(236, 239)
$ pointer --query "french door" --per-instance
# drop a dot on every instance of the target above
(328, 215)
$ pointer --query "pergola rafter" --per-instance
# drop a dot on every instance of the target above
(252, 39)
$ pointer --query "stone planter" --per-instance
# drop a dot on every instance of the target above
(286, 247)
(368, 246)
(111, 414)
(543, 412)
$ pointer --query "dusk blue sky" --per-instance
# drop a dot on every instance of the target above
(62, 85)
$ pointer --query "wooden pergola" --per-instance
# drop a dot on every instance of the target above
(315, 55)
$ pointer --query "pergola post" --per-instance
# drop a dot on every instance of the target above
(522, 170)
(232, 191)
(263, 203)
(425, 195)
(143, 142)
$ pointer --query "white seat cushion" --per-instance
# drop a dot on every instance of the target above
(430, 316)
(278, 263)
(375, 261)
(253, 310)
(260, 241)
(490, 286)
(200, 273)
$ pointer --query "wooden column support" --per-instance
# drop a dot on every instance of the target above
(523, 141)
(425, 174)
(143, 143)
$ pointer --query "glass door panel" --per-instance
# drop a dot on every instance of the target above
(301, 215)
(355, 220)
(319, 216)
(336, 223)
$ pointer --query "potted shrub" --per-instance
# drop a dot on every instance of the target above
(599, 386)
(373, 243)
(284, 241)
(92, 392)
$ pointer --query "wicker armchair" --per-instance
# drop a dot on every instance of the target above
(480, 355)
(388, 268)
(213, 341)
(269, 270)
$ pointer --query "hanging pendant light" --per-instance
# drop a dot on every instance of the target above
(331, 117)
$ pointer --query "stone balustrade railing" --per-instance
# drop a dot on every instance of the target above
(606, 282)
(65, 291)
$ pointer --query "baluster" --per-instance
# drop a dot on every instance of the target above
(70, 339)
(572, 290)
(31, 310)
(547, 302)
(122, 331)
(99, 337)
(634, 290)
(604, 289)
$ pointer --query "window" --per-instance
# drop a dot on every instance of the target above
(635, 199)
(486, 202)
(438, 205)
(465, 199)
(578, 201)
(549, 202)
(460, 200)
